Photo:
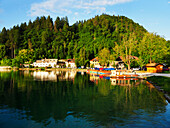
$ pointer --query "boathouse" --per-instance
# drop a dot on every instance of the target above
(154, 67)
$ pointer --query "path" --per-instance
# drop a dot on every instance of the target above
(160, 74)
(142, 75)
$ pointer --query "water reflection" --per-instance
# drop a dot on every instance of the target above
(116, 81)
(51, 75)
(76, 100)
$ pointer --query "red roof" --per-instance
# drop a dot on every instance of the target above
(71, 60)
(95, 59)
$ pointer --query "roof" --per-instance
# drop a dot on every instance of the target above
(153, 64)
(62, 60)
(135, 57)
(120, 58)
(46, 61)
(71, 60)
(95, 59)
(38, 61)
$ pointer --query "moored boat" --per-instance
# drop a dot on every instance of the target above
(123, 73)
(101, 71)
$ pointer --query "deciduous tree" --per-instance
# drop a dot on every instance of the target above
(126, 48)
(104, 57)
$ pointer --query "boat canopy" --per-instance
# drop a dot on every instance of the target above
(109, 69)
(106, 69)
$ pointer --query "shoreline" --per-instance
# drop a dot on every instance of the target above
(142, 74)
(166, 95)
(51, 69)
(8, 68)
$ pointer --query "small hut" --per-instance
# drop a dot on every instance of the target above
(154, 67)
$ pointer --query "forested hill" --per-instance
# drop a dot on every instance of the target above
(57, 39)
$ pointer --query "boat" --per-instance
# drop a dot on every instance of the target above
(123, 74)
(101, 71)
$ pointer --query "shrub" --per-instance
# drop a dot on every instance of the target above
(30, 66)
(5, 62)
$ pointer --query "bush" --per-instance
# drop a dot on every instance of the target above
(16, 62)
(30, 66)
(166, 71)
(5, 62)
(92, 66)
(42, 68)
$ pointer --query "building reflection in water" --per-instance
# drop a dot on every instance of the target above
(122, 81)
(94, 78)
(5, 70)
(52, 75)
(70, 75)
(62, 103)
(116, 81)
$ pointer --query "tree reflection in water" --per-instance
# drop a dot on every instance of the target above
(66, 96)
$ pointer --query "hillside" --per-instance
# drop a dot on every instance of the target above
(57, 39)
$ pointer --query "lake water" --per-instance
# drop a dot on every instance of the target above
(71, 100)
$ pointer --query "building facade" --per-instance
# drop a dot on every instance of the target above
(46, 63)
(154, 67)
(95, 63)
(70, 63)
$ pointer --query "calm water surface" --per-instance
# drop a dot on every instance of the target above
(71, 99)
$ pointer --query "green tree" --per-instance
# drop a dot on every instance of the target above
(3, 36)
(65, 41)
(126, 47)
(16, 62)
(25, 55)
(143, 53)
(2, 51)
(167, 58)
(82, 57)
(49, 23)
(104, 57)
(152, 48)
(5, 62)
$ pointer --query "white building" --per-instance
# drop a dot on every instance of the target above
(45, 63)
(95, 63)
(70, 63)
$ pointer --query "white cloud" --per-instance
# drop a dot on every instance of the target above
(47, 7)
(106, 2)
(76, 13)
(169, 2)
(66, 7)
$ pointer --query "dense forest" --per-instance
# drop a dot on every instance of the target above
(45, 38)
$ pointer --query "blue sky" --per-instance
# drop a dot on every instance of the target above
(154, 15)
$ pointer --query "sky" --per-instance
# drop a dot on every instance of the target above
(154, 15)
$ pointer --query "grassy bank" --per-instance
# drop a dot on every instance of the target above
(163, 82)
